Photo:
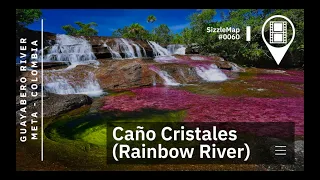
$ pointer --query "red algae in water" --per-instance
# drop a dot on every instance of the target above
(202, 108)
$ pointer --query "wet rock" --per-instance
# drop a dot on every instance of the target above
(123, 74)
(223, 64)
(53, 105)
(48, 65)
(182, 73)
(30, 99)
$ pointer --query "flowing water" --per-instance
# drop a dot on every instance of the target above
(211, 73)
(138, 49)
(70, 49)
(75, 51)
(126, 48)
(197, 58)
(235, 67)
(144, 51)
(158, 50)
(168, 80)
(176, 49)
(60, 84)
(78, 50)
(114, 54)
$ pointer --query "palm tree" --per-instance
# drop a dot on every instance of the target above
(135, 30)
(151, 19)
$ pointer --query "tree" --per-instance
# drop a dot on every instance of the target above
(240, 51)
(25, 17)
(186, 36)
(151, 19)
(84, 29)
(199, 21)
(254, 52)
(117, 33)
(162, 34)
(177, 39)
(135, 30)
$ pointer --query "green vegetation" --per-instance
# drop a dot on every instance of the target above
(162, 34)
(253, 53)
(25, 17)
(151, 19)
(85, 29)
(92, 129)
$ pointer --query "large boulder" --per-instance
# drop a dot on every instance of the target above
(53, 104)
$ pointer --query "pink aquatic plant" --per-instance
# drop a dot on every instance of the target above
(202, 108)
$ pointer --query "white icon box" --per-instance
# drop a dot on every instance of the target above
(278, 32)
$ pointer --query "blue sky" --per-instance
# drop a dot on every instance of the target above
(110, 19)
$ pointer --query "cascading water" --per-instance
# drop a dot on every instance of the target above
(114, 54)
(59, 84)
(197, 58)
(158, 50)
(176, 49)
(144, 51)
(210, 73)
(70, 49)
(138, 50)
(182, 73)
(235, 67)
(126, 48)
(168, 80)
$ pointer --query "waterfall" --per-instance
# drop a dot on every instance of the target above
(176, 49)
(71, 49)
(211, 73)
(144, 51)
(158, 50)
(138, 50)
(168, 80)
(126, 48)
(60, 85)
(171, 49)
(236, 68)
(114, 54)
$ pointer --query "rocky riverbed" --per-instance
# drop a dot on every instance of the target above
(81, 96)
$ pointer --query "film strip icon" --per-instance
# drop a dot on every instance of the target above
(278, 32)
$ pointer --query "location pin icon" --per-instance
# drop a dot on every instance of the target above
(278, 52)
